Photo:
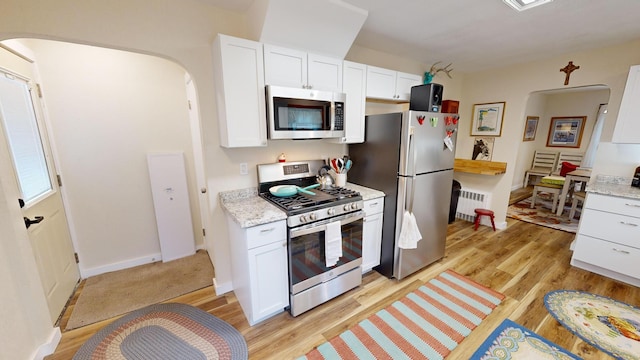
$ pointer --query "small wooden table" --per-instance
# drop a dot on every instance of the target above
(581, 175)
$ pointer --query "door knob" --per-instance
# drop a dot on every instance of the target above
(28, 222)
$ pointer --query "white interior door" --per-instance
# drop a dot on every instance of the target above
(36, 178)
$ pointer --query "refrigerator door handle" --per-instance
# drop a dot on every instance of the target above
(412, 152)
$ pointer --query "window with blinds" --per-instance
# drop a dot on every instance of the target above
(18, 117)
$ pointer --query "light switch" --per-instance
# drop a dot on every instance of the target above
(243, 169)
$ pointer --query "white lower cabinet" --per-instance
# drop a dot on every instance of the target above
(259, 268)
(372, 234)
(608, 240)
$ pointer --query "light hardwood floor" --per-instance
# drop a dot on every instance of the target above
(523, 261)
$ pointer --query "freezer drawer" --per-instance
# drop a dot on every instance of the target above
(430, 204)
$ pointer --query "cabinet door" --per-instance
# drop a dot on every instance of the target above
(371, 241)
(404, 82)
(627, 129)
(285, 67)
(355, 86)
(239, 80)
(269, 284)
(324, 73)
(381, 83)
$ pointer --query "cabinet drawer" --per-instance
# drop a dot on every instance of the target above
(612, 227)
(618, 205)
(373, 206)
(608, 255)
(266, 234)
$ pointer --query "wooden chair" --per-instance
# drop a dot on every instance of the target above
(577, 196)
(570, 157)
(544, 163)
(554, 189)
(553, 183)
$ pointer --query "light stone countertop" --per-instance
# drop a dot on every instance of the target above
(613, 186)
(248, 209)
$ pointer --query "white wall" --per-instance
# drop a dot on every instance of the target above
(607, 66)
(550, 104)
(107, 109)
(26, 326)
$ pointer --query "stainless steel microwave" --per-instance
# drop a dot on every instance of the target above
(294, 113)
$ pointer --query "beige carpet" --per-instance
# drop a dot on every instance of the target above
(119, 292)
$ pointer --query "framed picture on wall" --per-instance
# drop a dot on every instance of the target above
(487, 119)
(530, 128)
(566, 131)
(483, 148)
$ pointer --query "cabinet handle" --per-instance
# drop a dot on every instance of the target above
(626, 223)
(621, 251)
(373, 204)
(264, 231)
(632, 205)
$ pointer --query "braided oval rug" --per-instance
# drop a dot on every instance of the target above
(165, 331)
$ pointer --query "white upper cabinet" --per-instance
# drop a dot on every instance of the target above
(354, 86)
(239, 81)
(627, 129)
(295, 68)
(392, 85)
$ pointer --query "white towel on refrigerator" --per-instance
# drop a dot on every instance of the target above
(409, 232)
(332, 243)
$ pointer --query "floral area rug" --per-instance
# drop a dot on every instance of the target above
(541, 214)
(609, 325)
(512, 341)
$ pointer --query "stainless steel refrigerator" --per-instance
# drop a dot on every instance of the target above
(409, 156)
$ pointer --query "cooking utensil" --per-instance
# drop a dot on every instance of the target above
(305, 191)
(283, 190)
(324, 179)
(334, 165)
(290, 190)
(347, 166)
(340, 164)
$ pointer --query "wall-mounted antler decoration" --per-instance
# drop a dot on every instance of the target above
(434, 70)
(428, 76)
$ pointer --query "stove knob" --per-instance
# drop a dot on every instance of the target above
(347, 207)
(331, 211)
(312, 216)
(354, 206)
(303, 219)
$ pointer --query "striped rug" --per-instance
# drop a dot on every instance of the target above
(426, 324)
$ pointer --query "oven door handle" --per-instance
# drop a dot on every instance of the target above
(322, 227)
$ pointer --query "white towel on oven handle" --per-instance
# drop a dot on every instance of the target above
(332, 243)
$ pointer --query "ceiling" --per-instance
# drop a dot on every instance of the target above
(482, 34)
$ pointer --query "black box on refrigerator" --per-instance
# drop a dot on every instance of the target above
(427, 97)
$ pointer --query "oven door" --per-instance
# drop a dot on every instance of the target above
(306, 246)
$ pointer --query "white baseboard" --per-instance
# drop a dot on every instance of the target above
(222, 288)
(49, 347)
(85, 273)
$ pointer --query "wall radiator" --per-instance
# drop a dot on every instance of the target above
(470, 200)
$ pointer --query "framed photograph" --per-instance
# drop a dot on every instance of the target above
(487, 119)
(566, 131)
(530, 128)
(483, 148)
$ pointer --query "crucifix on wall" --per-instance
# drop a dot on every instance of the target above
(568, 70)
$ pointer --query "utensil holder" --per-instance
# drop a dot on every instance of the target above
(340, 180)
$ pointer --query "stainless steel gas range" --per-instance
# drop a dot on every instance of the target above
(324, 240)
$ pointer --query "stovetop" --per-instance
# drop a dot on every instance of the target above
(303, 208)
(301, 203)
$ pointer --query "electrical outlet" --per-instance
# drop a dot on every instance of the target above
(243, 169)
